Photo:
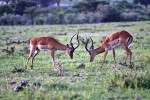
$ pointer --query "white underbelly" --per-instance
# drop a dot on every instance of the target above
(114, 46)
(43, 47)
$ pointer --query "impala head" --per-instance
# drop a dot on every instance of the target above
(71, 48)
(91, 49)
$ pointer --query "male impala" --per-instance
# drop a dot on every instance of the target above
(48, 43)
(119, 38)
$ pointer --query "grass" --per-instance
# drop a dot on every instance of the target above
(87, 83)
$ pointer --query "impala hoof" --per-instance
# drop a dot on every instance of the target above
(31, 67)
(25, 66)
(91, 60)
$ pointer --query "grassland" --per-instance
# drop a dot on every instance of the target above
(88, 83)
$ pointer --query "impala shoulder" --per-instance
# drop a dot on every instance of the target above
(125, 34)
(33, 40)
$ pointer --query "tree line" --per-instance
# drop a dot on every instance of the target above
(39, 12)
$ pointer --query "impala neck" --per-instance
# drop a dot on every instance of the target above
(61, 47)
(99, 50)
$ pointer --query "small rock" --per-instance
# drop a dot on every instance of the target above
(24, 83)
(76, 75)
(17, 70)
(36, 84)
(13, 82)
(138, 98)
(123, 64)
(81, 66)
(17, 88)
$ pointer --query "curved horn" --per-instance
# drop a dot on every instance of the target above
(86, 43)
(77, 40)
(71, 40)
(92, 46)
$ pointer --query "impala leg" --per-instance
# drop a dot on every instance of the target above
(128, 52)
(130, 57)
(113, 50)
(30, 55)
(35, 53)
(32, 49)
(125, 59)
(105, 54)
(53, 59)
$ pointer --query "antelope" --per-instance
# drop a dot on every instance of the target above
(110, 42)
(49, 43)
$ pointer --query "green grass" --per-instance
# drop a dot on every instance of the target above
(125, 83)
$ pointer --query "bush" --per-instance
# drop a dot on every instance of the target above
(123, 4)
(70, 18)
(109, 13)
(6, 9)
(95, 17)
(131, 16)
(22, 5)
(89, 5)
(39, 21)
(5, 19)
(82, 18)
(9, 19)
(88, 11)
(49, 19)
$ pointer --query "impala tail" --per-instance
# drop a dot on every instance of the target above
(130, 39)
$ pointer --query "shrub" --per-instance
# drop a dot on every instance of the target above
(81, 18)
(49, 19)
(5, 19)
(70, 18)
(15, 19)
(9, 19)
(123, 4)
(109, 13)
(6, 9)
(39, 21)
(22, 5)
(131, 16)
(95, 17)
(88, 5)
(59, 17)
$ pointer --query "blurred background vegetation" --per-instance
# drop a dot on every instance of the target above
(41, 12)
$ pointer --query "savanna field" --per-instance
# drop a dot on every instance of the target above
(79, 79)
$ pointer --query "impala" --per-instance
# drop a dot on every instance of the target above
(119, 38)
(49, 43)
